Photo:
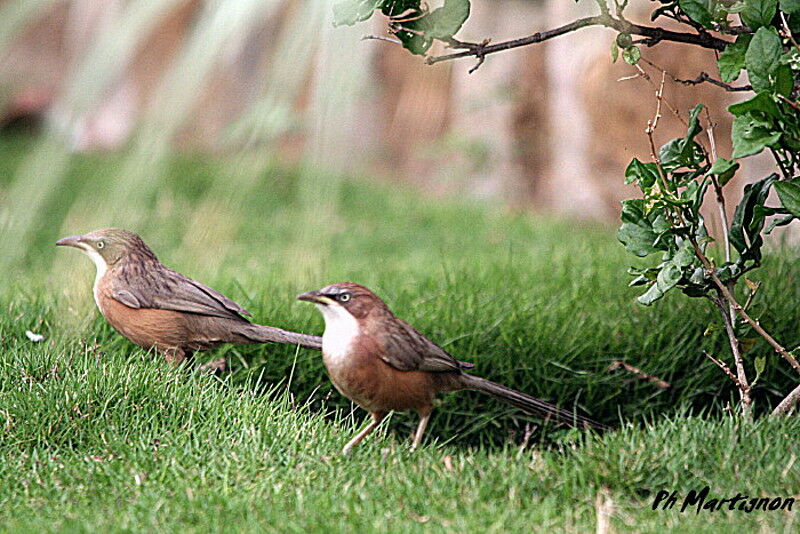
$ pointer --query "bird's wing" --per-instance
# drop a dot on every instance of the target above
(166, 289)
(404, 348)
(127, 298)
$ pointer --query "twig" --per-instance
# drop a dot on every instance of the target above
(658, 382)
(704, 77)
(727, 370)
(784, 171)
(787, 32)
(729, 315)
(732, 30)
(795, 105)
(651, 127)
(723, 215)
(741, 375)
(690, 82)
(649, 80)
(788, 402)
(753, 291)
(738, 308)
(655, 36)
(381, 38)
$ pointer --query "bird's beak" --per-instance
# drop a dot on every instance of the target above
(71, 241)
(314, 296)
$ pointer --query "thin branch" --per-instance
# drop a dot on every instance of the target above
(651, 128)
(738, 308)
(649, 80)
(654, 35)
(753, 290)
(381, 38)
(741, 375)
(788, 402)
(787, 32)
(658, 382)
(732, 30)
(704, 77)
(784, 171)
(795, 105)
(730, 314)
(723, 214)
(727, 370)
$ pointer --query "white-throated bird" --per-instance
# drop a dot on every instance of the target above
(383, 364)
(158, 308)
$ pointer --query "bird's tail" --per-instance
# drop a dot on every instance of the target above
(269, 334)
(528, 403)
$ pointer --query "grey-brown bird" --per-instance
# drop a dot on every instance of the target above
(383, 364)
(158, 308)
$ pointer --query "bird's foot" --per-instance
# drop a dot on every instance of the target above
(217, 366)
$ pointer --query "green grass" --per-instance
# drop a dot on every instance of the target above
(99, 435)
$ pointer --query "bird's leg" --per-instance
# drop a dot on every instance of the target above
(424, 417)
(215, 366)
(377, 417)
(175, 356)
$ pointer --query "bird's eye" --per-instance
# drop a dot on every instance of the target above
(344, 297)
(101, 244)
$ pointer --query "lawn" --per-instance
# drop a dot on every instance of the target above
(99, 435)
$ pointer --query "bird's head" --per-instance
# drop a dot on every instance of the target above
(106, 247)
(345, 298)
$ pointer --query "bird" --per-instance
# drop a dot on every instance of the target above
(383, 364)
(160, 309)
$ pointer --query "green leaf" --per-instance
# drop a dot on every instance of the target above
(760, 364)
(790, 6)
(351, 11)
(694, 193)
(763, 57)
(750, 136)
(668, 277)
(724, 170)
(680, 152)
(441, 23)
(783, 221)
(762, 102)
(392, 8)
(684, 257)
(444, 22)
(697, 10)
(731, 61)
(636, 232)
(694, 125)
(631, 55)
(637, 239)
(789, 193)
(645, 174)
(784, 80)
(651, 295)
(414, 42)
(748, 221)
(614, 51)
(758, 13)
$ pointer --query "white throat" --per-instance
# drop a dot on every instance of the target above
(341, 329)
(101, 265)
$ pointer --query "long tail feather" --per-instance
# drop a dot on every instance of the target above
(269, 334)
(528, 403)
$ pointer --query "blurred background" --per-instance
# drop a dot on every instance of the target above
(263, 151)
(256, 84)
